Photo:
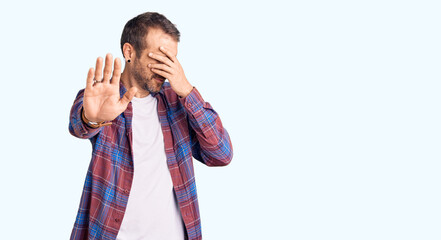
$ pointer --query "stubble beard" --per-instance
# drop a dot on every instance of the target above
(146, 83)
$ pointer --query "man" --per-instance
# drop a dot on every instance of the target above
(144, 131)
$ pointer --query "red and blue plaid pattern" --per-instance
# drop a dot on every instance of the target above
(190, 127)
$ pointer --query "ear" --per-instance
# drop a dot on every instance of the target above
(128, 51)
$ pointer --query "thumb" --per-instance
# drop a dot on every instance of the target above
(128, 96)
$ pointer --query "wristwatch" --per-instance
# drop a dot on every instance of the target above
(93, 124)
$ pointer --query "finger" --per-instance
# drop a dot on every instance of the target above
(163, 67)
(162, 59)
(168, 54)
(116, 72)
(90, 75)
(108, 68)
(99, 69)
(128, 96)
(162, 73)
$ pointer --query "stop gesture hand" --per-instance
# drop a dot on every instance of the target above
(102, 100)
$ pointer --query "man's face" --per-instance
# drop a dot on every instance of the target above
(146, 79)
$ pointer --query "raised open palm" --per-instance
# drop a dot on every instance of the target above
(102, 100)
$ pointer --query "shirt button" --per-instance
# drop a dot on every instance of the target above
(204, 125)
(126, 191)
(116, 220)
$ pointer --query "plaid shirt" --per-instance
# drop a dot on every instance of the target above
(190, 127)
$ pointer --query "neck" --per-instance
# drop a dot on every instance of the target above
(128, 81)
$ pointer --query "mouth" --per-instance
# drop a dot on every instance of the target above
(159, 79)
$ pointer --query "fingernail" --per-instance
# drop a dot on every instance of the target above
(149, 65)
(150, 54)
(162, 48)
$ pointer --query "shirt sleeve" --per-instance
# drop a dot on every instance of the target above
(77, 127)
(210, 141)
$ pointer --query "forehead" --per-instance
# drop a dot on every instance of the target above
(156, 38)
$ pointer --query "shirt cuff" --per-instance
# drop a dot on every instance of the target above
(193, 102)
(86, 129)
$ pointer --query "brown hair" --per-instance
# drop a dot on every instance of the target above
(136, 29)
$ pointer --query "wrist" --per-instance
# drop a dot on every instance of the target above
(186, 93)
(92, 124)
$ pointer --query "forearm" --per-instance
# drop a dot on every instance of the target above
(77, 127)
(213, 144)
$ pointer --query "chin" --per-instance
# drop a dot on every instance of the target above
(153, 89)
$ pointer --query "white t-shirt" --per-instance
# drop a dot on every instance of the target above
(152, 210)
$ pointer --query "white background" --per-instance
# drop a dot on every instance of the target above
(332, 108)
